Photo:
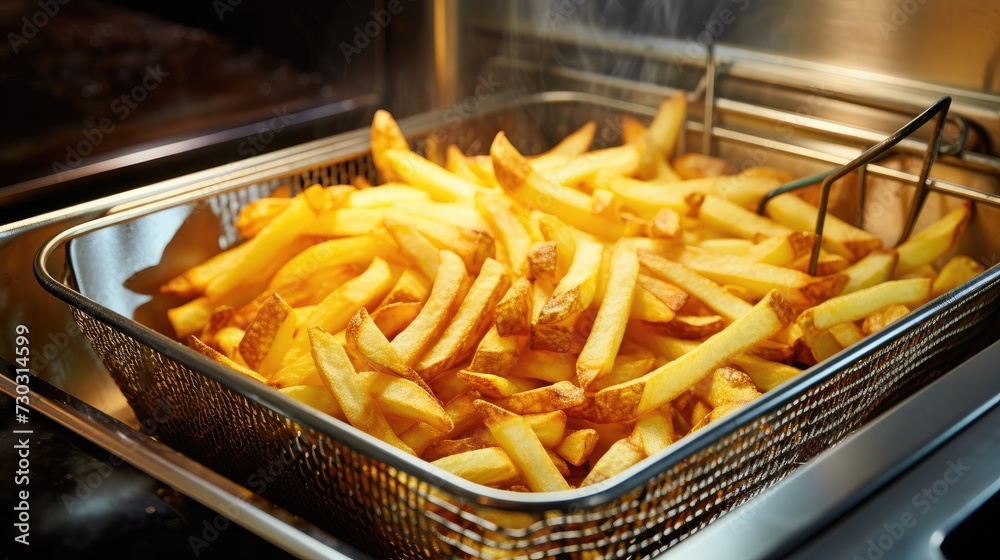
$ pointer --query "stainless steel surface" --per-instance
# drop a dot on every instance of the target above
(904, 450)
(144, 231)
(184, 474)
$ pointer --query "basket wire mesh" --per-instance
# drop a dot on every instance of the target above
(384, 505)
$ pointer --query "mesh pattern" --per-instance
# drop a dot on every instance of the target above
(389, 513)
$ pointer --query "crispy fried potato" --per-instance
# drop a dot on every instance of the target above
(617, 459)
(437, 181)
(529, 188)
(549, 427)
(514, 310)
(496, 354)
(470, 322)
(316, 397)
(269, 336)
(858, 305)
(340, 378)
(485, 466)
(385, 136)
(446, 294)
(522, 446)
(932, 242)
(577, 446)
(839, 237)
(624, 402)
(576, 290)
(558, 396)
(460, 411)
(957, 271)
(403, 398)
(366, 341)
(215, 355)
(264, 248)
(714, 296)
(598, 354)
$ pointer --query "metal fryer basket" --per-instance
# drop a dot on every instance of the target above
(393, 505)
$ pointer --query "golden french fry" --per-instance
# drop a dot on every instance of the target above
(460, 411)
(387, 195)
(644, 198)
(732, 218)
(264, 248)
(411, 287)
(626, 368)
(193, 281)
(654, 431)
(632, 129)
(437, 181)
(574, 143)
(617, 459)
(714, 296)
(858, 305)
(542, 261)
(385, 136)
(577, 446)
(446, 294)
(545, 365)
(495, 386)
(496, 354)
(335, 311)
(626, 401)
(456, 162)
(503, 219)
(624, 160)
(316, 397)
(254, 216)
(957, 271)
(340, 378)
(576, 290)
(839, 237)
(846, 334)
(931, 243)
(558, 396)
(391, 319)
(716, 414)
(269, 336)
(485, 466)
(549, 428)
(725, 385)
(647, 307)
(403, 398)
(514, 310)
(320, 259)
(529, 188)
(523, 448)
(474, 246)
(365, 340)
(415, 246)
(881, 318)
(215, 355)
(448, 447)
(470, 322)
(874, 268)
(598, 354)
(302, 371)
(798, 287)
(782, 250)
(691, 327)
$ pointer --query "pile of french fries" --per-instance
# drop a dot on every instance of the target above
(543, 323)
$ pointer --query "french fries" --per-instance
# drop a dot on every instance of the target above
(533, 322)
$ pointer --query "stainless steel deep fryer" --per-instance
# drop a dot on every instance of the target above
(393, 505)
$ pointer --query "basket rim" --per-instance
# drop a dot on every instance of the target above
(353, 144)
